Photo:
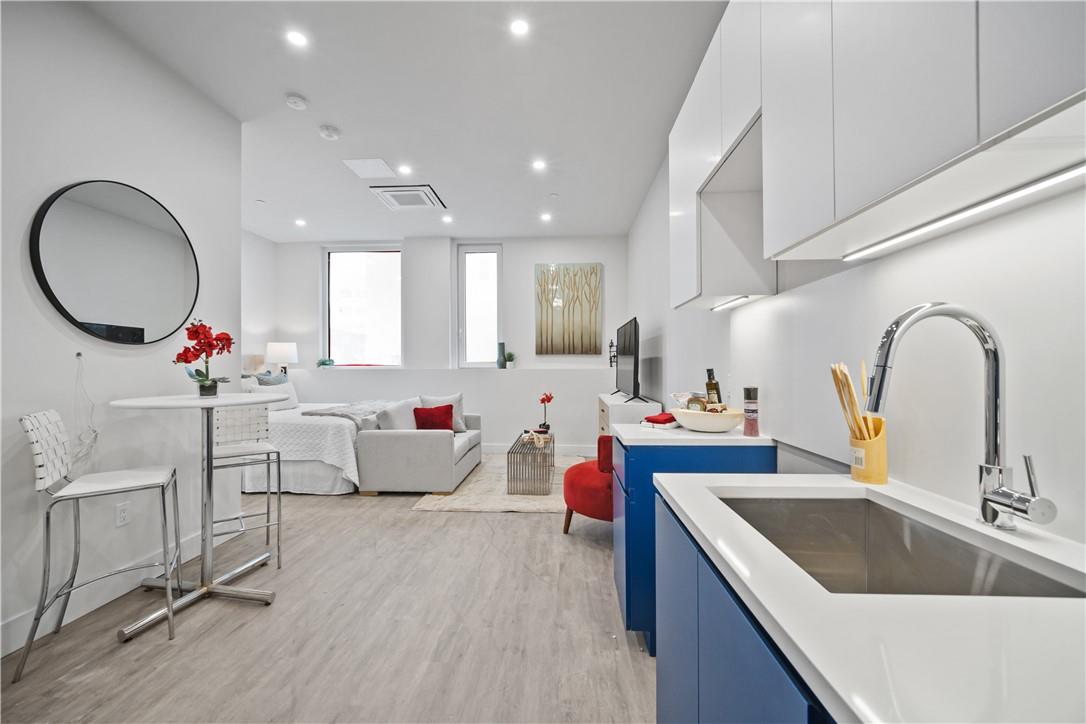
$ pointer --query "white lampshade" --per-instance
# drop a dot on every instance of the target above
(282, 353)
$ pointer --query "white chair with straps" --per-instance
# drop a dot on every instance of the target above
(51, 449)
(241, 440)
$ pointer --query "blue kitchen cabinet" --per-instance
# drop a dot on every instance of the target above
(714, 661)
(633, 494)
(676, 621)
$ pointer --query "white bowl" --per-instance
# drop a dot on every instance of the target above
(699, 421)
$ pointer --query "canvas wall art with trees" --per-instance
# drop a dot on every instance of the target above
(568, 308)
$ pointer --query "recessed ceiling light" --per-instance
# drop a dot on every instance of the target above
(545, 216)
(674, 213)
(296, 39)
(329, 133)
(519, 27)
(297, 101)
(447, 219)
(299, 222)
(539, 164)
(403, 169)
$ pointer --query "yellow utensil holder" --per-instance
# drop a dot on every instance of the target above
(869, 456)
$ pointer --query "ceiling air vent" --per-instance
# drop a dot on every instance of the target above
(400, 198)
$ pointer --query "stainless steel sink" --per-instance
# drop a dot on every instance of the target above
(852, 545)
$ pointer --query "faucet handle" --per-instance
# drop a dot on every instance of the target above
(1031, 475)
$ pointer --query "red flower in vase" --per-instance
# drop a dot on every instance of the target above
(205, 344)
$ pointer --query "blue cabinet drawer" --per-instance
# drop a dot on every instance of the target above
(618, 539)
(676, 620)
(618, 459)
(740, 678)
(714, 661)
(634, 468)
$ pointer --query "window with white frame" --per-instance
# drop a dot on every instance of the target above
(480, 293)
(363, 307)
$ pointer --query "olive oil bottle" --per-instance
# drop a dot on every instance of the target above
(712, 389)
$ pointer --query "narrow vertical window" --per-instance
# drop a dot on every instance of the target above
(480, 305)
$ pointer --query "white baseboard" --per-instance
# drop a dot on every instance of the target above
(13, 630)
(585, 451)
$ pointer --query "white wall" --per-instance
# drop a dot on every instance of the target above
(80, 102)
(1023, 272)
(508, 400)
(259, 296)
(677, 345)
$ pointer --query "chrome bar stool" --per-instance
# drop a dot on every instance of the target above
(241, 437)
(52, 464)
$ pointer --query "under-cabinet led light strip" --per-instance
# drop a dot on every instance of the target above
(979, 208)
(730, 303)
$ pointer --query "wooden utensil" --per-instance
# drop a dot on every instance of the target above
(854, 404)
(838, 384)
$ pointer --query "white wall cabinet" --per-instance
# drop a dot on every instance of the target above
(694, 148)
(1032, 55)
(797, 122)
(740, 67)
(904, 93)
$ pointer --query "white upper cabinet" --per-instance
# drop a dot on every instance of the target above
(740, 67)
(904, 93)
(797, 122)
(1032, 55)
(694, 149)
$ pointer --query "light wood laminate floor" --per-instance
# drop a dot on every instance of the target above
(382, 614)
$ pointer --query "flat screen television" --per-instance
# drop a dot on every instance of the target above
(628, 358)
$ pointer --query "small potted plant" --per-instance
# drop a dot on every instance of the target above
(545, 400)
(205, 343)
(510, 360)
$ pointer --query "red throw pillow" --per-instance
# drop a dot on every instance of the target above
(434, 418)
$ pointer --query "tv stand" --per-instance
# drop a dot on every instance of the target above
(615, 411)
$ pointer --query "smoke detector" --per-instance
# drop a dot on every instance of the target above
(329, 133)
(297, 101)
(400, 198)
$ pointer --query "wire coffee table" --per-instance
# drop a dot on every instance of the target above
(530, 468)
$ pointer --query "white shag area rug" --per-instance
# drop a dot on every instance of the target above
(483, 491)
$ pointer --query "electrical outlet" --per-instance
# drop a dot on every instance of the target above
(121, 514)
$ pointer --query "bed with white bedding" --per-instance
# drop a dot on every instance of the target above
(318, 453)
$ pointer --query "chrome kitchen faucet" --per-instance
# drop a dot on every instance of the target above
(999, 501)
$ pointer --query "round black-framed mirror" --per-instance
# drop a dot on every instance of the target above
(114, 262)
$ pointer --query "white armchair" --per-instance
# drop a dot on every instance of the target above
(418, 461)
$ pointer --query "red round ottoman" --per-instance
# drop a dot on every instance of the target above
(587, 486)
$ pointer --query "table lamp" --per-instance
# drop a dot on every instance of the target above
(281, 353)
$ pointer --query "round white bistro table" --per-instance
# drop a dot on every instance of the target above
(208, 585)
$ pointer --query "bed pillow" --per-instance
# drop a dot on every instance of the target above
(434, 418)
(268, 379)
(457, 402)
(399, 415)
(287, 388)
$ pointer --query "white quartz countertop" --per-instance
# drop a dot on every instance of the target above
(638, 434)
(901, 658)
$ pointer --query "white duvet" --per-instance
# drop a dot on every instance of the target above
(301, 437)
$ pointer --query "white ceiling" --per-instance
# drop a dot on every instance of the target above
(446, 88)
